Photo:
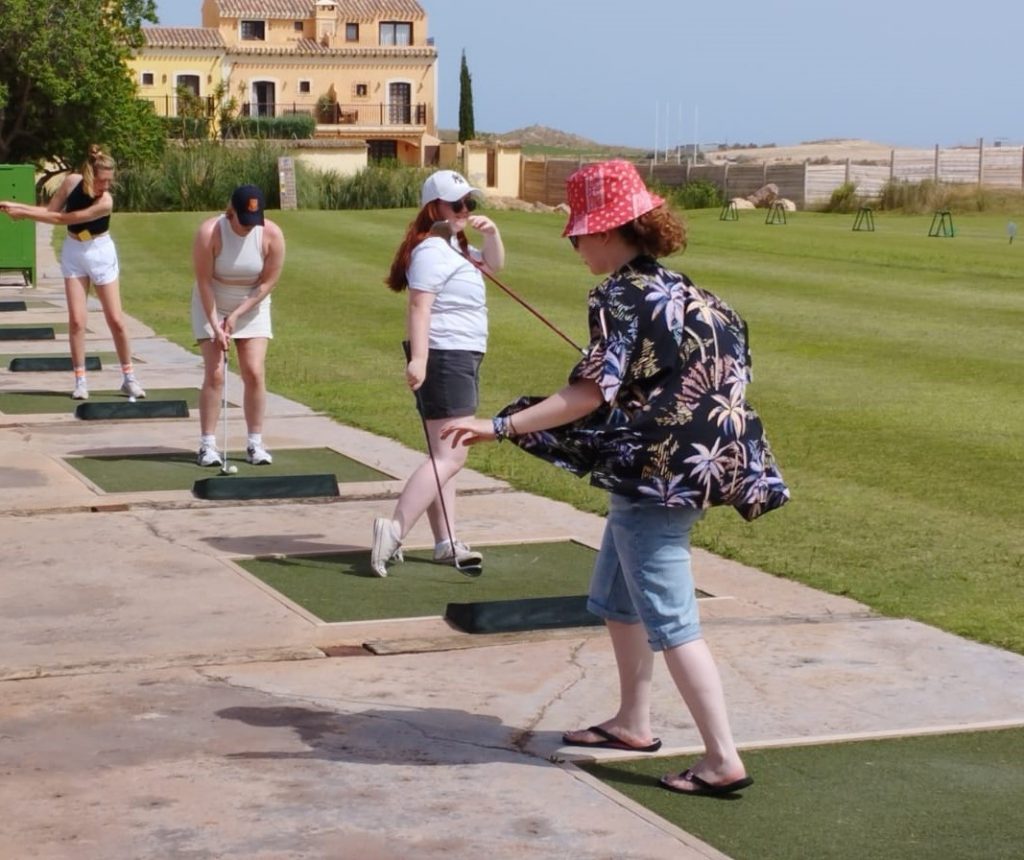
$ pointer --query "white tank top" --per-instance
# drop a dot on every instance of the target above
(241, 257)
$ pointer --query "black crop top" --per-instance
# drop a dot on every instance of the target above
(78, 200)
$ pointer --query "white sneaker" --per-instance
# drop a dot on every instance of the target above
(81, 391)
(132, 388)
(258, 455)
(386, 545)
(208, 456)
(465, 556)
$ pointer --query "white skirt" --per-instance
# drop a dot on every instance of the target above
(254, 323)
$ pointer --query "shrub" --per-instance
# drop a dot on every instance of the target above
(296, 127)
(387, 185)
(843, 199)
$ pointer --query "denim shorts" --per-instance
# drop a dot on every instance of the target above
(642, 573)
(452, 386)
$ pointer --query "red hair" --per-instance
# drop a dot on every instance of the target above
(419, 229)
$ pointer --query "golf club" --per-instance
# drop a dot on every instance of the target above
(225, 469)
(467, 569)
(443, 230)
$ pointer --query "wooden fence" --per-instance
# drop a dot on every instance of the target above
(807, 185)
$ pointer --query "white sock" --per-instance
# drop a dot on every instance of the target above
(208, 441)
(255, 439)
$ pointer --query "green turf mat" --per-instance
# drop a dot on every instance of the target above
(58, 328)
(221, 487)
(341, 586)
(7, 307)
(124, 410)
(25, 332)
(177, 470)
(39, 402)
(529, 613)
(49, 363)
(955, 797)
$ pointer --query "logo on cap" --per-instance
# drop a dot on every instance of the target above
(254, 204)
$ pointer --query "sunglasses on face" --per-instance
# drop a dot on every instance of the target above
(467, 203)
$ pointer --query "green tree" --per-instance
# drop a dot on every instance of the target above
(65, 82)
(467, 130)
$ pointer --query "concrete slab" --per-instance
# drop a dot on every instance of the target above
(158, 701)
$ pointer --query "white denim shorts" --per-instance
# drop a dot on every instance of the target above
(95, 259)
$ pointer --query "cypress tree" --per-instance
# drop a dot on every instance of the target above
(467, 131)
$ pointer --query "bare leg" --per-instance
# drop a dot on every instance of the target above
(76, 290)
(696, 677)
(110, 298)
(213, 381)
(420, 492)
(252, 354)
(635, 663)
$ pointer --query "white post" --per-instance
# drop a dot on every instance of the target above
(981, 161)
(656, 115)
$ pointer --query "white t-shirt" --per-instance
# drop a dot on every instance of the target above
(458, 317)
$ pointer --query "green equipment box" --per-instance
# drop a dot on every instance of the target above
(18, 238)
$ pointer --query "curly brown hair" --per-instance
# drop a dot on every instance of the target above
(657, 233)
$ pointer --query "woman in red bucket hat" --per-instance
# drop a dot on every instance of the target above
(656, 413)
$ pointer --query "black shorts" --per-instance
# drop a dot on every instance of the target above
(452, 386)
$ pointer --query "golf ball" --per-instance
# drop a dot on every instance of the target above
(131, 399)
(232, 470)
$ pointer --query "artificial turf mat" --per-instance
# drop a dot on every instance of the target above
(341, 586)
(39, 402)
(13, 306)
(24, 332)
(51, 363)
(221, 487)
(177, 470)
(955, 796)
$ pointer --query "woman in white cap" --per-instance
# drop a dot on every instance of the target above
(447, 339)
(656, 412)
(83, 204)
(237, 258)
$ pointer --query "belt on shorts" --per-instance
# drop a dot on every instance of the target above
(85, 235)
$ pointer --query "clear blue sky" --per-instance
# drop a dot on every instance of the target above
(899, 72)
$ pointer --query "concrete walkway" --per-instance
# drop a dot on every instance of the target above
(156, 701)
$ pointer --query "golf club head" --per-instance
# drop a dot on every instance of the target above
(470, 569)
(441, 229)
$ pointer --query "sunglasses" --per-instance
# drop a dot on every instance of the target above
(468, 203)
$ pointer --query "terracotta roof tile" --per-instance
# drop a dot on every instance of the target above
(182, 37)
(348, 10)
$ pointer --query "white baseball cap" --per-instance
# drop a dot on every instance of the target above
(446, 185)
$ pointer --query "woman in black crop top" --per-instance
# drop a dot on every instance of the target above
(83, 204)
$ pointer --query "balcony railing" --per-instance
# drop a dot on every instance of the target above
(363, 114)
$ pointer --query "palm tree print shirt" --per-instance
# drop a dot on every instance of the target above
(673, 365)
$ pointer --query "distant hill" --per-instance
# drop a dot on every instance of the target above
(541, 137)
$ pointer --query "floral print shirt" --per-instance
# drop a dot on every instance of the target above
(673, 365)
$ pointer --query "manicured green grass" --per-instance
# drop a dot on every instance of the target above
(951, 796)
(887, 367)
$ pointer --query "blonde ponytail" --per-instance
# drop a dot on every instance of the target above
(96, 159)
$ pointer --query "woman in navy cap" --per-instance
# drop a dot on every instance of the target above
(237, 258)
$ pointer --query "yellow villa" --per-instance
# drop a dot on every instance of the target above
(366, 70)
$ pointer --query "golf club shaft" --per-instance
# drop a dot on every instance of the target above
(443, 230)
(407, 348)
(224, 409)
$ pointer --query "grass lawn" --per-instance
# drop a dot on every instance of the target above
(887, 368)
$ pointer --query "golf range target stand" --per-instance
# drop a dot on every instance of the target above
(865, 220)
(942, 224)
(776, 213)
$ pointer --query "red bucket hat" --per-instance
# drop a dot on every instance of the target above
(606, 195)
